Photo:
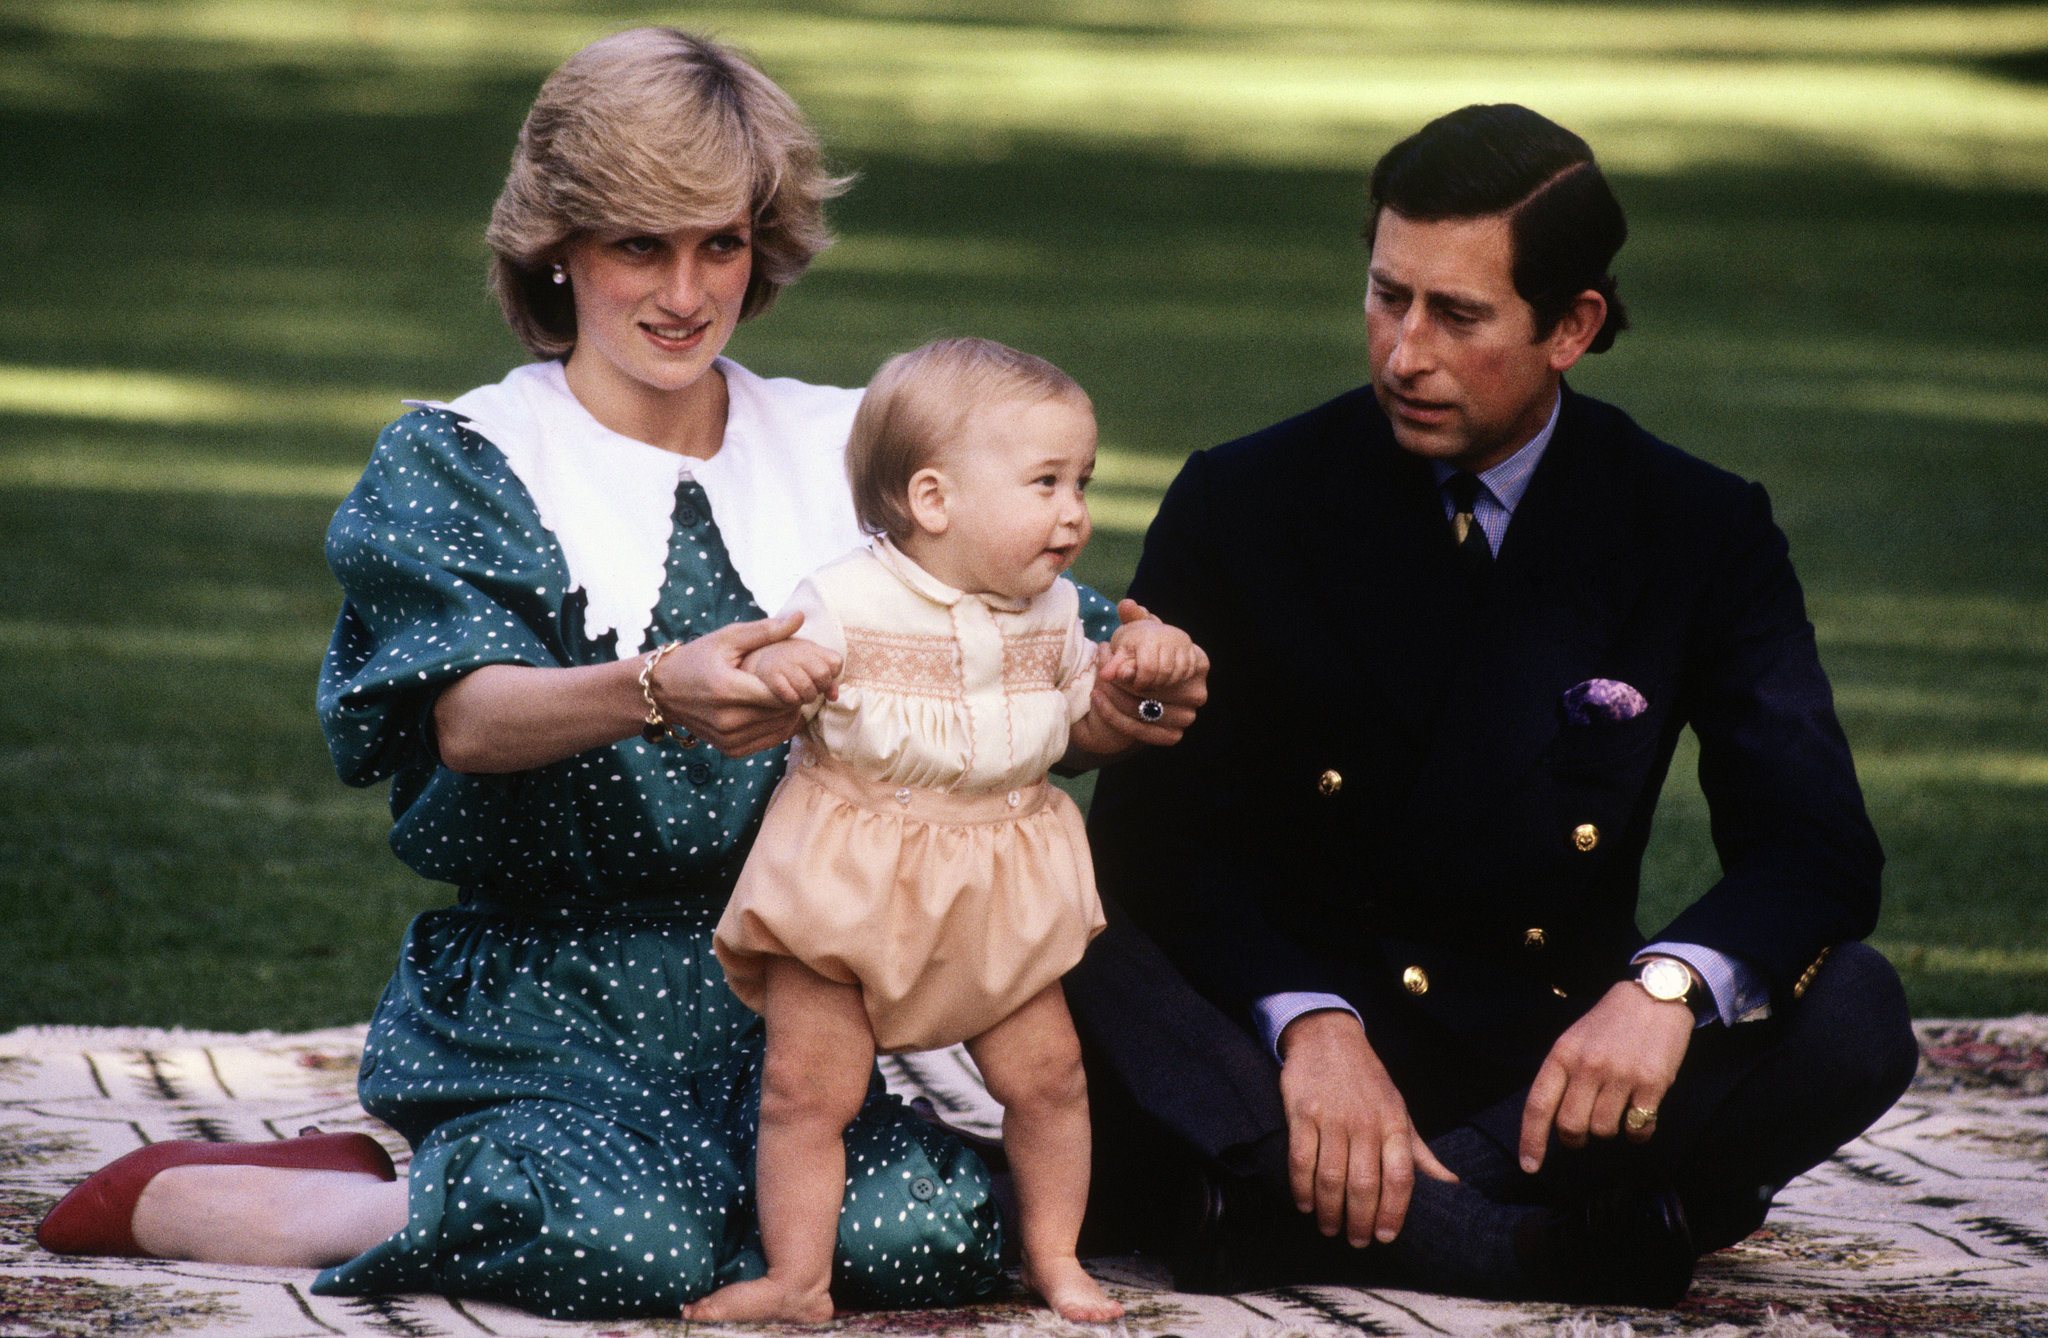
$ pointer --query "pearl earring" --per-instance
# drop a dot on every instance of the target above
(561, 273)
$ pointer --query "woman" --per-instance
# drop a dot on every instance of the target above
(550, 585)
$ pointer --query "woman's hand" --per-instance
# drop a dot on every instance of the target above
(704, 686)
(1115, 726)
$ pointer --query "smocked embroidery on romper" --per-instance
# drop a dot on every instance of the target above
(924, 666)
(1031, 662)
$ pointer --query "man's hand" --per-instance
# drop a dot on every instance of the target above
(1351, 1150)
(1623, 1053)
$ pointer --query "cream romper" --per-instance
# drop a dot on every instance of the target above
(914, 846)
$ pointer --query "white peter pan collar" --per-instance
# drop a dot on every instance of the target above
(777, 487)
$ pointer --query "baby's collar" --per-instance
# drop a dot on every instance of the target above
(931, 587)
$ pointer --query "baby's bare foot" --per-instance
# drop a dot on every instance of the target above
(1066, 1287)
(759, 1299)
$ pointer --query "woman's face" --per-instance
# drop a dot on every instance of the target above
(652, 311)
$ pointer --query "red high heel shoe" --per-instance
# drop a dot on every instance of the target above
(98, 1216)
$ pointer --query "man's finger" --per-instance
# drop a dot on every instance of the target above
(1603, 1119)
(1301, 1164)
(1539, 1113)
(1395, 1186)
(1342, 1176)
(1574, 1113)
(1426, 1162)
(1645, 1097)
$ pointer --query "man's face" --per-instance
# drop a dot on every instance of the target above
(1455, 361)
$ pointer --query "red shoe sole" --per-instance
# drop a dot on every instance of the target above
(98, 1216)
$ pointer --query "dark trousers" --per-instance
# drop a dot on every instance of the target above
(1175, 1084)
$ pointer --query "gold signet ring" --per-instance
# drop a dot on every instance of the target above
(1638, 1119)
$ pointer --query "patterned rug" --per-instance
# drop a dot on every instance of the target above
(1936, 1222)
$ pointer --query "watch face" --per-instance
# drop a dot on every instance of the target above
(1665, 979)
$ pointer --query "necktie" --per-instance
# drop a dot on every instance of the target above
(1473, 552)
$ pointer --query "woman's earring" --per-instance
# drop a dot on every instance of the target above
(561, 273)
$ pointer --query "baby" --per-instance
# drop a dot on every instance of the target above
(917, 881)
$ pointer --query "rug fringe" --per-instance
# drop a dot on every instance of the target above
(24, 1040)
(1776, 1324)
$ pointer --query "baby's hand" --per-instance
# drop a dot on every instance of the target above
(795, 670)
(1150, 656)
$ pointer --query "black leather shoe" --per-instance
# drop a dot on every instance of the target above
(1627, 1246)
(1223, 1237)
(1196, 1250)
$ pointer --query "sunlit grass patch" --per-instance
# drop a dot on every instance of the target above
(1659, 88)
(1128, 484)
(1946, 622)
(2006, 767)
(158, 645)
(150, 397)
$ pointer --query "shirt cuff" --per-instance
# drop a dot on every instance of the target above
(1275, 1011)
(1738, 994)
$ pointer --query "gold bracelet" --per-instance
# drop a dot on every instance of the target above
(656, 728)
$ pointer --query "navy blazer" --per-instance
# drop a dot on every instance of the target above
(1383, 799)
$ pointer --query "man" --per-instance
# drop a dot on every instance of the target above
(1457, 619)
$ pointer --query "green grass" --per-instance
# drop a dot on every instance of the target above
(232, 235)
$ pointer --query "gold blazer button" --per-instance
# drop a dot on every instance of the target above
(1585, 836)
(1329, 783)
(1533, 939)
(1415, 980)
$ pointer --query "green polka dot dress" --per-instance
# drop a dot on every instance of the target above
(579, 1086)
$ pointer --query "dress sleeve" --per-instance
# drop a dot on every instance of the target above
(445, 567)
(1098, 615)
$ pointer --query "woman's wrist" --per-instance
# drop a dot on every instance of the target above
(654, 726)
(516, 717)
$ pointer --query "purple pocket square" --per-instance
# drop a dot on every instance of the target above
(1602, 701)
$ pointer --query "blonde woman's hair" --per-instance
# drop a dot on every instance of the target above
(653, 130)
(919, 403)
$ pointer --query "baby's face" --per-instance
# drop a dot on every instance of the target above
(1016, 514)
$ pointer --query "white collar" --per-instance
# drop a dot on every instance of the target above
(906, 569)
(777, 487)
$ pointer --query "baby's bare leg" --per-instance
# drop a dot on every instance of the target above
(1032, 1063)
(813, 1080)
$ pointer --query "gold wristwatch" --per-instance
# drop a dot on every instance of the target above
(1670, 981)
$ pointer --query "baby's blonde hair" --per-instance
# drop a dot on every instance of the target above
(653, 130)
(918, 403)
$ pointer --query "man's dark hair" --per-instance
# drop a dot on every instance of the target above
(1504, 159)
